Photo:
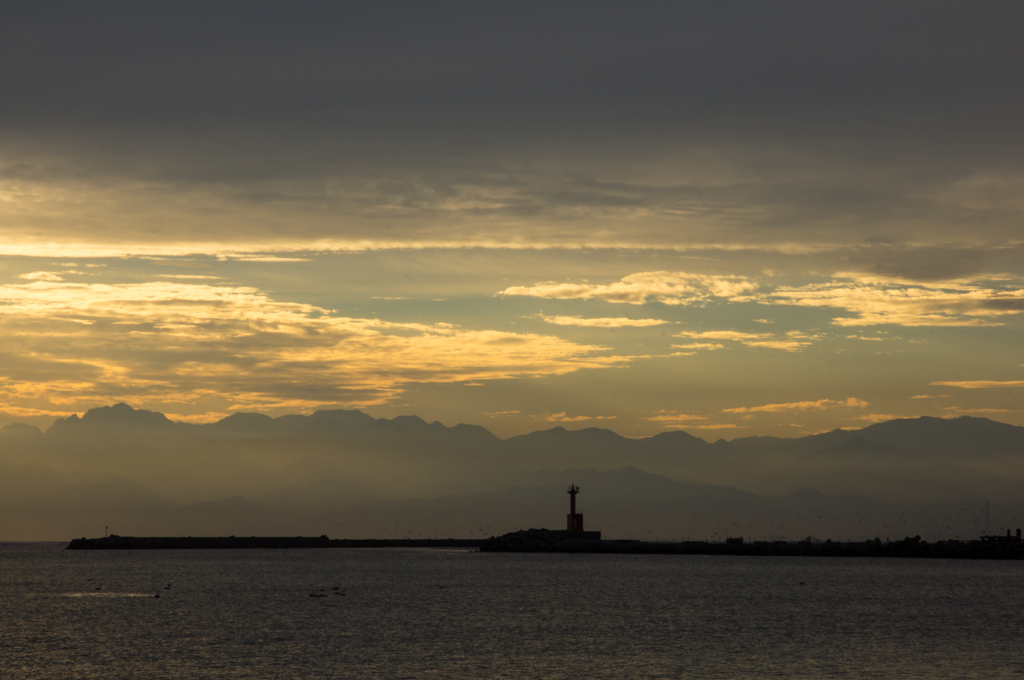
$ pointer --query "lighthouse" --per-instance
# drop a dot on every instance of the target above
(574, 521)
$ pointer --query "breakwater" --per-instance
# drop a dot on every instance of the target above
(543, 540)
(115, 542)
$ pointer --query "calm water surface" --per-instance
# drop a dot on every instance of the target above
(458, 614)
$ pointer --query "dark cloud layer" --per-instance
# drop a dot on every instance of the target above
(491, 65)
(699, 122)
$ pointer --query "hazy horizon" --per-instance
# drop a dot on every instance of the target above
(347, 474)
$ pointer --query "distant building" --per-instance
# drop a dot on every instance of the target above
(1004, 539)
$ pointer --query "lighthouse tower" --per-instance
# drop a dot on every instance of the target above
(574, 522)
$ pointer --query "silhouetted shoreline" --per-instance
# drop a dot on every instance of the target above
(115, 542)
(543, 540)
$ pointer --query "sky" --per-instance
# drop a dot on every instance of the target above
(733, 219)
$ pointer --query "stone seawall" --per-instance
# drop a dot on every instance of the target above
(253, 542)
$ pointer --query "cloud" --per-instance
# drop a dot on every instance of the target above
(42, 276)
(879, 300)
(793, 341)
(980, 410)
(15, 411)
(722, 335)
(255, 249)
(606, 322)
(922, 396)
(787, 345)
(171, 341)
(496, 414)
(208, 417)
(700, 345)
(361, 126)
(263, 258)
(562, 418)
(879, 417)
(820, 405)
(979, 384)
(671, 288)
(670, 418)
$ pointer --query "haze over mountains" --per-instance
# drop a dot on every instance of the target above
(347, 474)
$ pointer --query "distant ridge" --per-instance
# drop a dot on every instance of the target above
(20, 431)
(347, 453)
(122, 415)
(965, 435)
(109, 417)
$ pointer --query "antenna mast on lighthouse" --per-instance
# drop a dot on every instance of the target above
(574, 521)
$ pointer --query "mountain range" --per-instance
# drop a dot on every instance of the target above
(339, 470)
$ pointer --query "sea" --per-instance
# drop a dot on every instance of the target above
(429, 613)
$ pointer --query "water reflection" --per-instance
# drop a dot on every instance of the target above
(458, 614)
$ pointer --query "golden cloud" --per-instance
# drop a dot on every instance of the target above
(562, 418)
(820, 405)
(722, 335)
(879, 300)
(174, 341)
(670, 417)
(793, 341)
(208, 417)
(16, 411)
(274, 249)
(786, 345)
(617, 322)
(671, 288)
(42, 276)
(979, 384)
(980, 410)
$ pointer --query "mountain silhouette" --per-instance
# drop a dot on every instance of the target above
(964, 435)
(118, 416)
(141, 467)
